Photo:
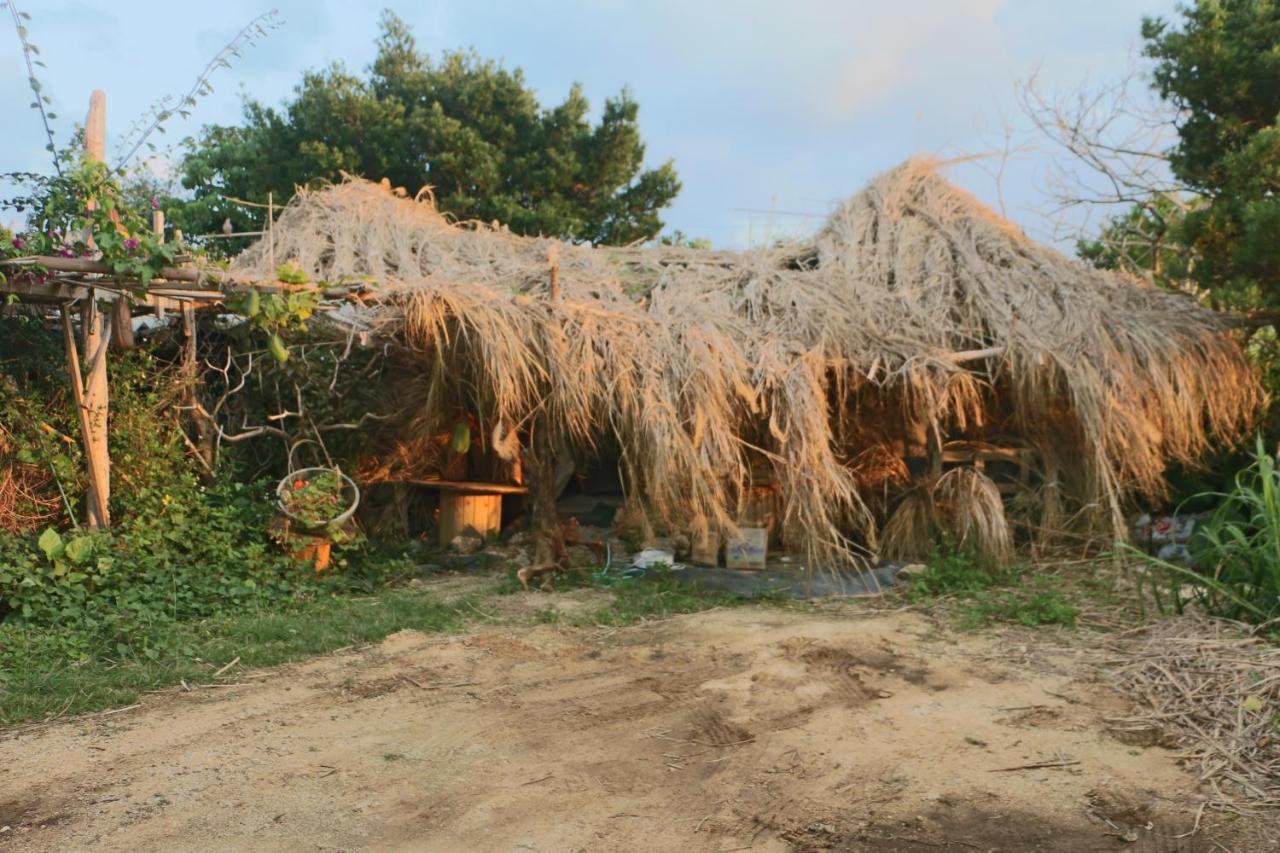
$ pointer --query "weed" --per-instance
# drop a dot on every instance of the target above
(656, 595)
(547, 616)
(988, 592)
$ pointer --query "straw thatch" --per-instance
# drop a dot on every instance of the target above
(915, 310)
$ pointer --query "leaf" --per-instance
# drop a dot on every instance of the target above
(461, 437)
(277, 348)
(51, 544)
(79, 550)
(1252, 702)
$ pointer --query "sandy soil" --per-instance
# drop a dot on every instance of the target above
(752, 728)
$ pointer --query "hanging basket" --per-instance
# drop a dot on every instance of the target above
(299, 481)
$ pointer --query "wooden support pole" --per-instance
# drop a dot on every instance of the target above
(161, 304)
(271, 234)
(553, 258)
(96, 397)
(97, 509)
(189, 335)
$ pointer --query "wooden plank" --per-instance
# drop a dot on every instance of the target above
(466, 487)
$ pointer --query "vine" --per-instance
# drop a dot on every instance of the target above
(42, 100)
(164, 108)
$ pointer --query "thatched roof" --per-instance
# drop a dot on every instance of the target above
(914, 304)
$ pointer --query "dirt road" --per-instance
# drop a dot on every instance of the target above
(752, 728)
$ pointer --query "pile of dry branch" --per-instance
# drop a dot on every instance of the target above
(1216, 684)
(915, 312)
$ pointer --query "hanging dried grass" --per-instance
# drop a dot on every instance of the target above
(909, 532)
(962, 506)
(971, 512)
(678, 355)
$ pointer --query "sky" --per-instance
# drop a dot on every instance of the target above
(772, 112)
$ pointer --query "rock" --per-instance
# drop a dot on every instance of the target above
(471, 562)
(466, 543)
(520, 539)
(910, 571)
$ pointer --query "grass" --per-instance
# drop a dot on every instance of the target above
(656, 596)
(986, 593)
(37, 681)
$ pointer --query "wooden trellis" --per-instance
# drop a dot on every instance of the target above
(84, 284)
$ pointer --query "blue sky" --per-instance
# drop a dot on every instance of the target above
(763, 105)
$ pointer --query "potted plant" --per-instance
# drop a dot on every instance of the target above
(316, 505)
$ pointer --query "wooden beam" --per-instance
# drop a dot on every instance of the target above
(465, 487)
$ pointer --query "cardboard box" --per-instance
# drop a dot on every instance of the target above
(749, 550)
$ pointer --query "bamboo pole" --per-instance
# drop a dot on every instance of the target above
(96, 394)
(96, 509)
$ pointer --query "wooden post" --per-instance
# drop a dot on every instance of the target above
(161, 304)
(96, 332)
(96, 508)
(553, 258)
(271, 235)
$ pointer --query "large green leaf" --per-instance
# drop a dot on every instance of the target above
(51, 544)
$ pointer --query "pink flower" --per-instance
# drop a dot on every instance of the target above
(131, 243)
(17, 243)
(155, 203)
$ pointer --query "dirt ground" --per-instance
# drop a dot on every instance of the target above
(752, 728)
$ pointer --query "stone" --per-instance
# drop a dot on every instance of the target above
(465, 543)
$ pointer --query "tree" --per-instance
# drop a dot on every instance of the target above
(1221, 70)
(465, 126)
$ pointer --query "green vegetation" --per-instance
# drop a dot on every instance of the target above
(1217, 68)
(1236, 550)
(988, 593)
(467, 127)
(654, 595)
(38, 678)
(50, 670)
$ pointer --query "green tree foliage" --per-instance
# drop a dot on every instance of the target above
(465, 126)
(1220, 67)
(1143, 241)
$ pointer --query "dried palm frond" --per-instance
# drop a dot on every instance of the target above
(682, 358)
(969, 509)
(909, 532)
